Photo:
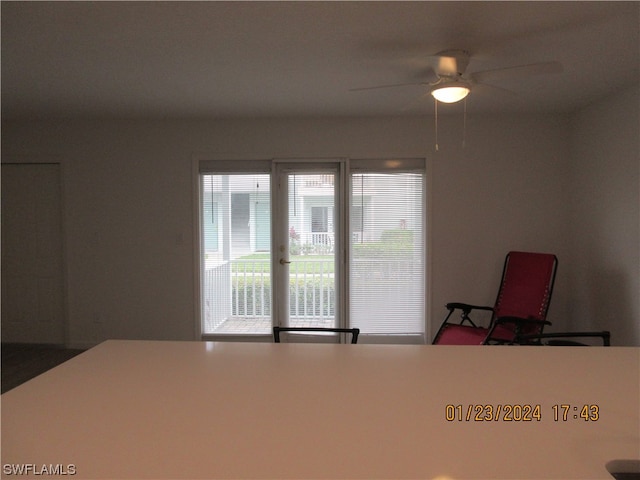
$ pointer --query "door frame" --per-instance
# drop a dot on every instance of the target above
(203, 163)
(280, 233)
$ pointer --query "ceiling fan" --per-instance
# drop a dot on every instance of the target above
(449, 82)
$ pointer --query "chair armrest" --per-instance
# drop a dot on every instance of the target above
(465, 307)
(521, 320)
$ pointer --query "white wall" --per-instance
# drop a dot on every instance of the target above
(605, 213)
(505, 191)
(129, 216)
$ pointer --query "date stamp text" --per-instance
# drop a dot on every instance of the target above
(511, 412)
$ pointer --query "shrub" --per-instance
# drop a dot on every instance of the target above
(396, 243)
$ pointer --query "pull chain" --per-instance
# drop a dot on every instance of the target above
(464, 125)
(435, 103)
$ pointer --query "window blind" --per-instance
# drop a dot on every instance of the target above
(387, 259)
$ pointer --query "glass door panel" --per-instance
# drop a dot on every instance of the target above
(311, 237)
(236, 253)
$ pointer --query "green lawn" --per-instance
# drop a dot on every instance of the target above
(260, 263)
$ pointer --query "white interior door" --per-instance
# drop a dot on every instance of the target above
(307, 261)
(32, 277)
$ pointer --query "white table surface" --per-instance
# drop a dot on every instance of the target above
(146, 409)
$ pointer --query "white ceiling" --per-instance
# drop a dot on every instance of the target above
(222, 59)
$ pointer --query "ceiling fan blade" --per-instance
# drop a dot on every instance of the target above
(487, 88)
(427, 74)
(519, 71)
(395, 85)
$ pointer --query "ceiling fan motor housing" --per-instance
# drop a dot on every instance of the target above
(452, 63)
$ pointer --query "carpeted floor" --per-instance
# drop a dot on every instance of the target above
(22, 362)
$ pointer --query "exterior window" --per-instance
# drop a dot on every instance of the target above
(387, 253)
(319, 219)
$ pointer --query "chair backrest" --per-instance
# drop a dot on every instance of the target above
(353, 331)
(527, 284)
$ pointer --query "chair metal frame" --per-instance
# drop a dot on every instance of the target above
(353, 331)
(549, 338)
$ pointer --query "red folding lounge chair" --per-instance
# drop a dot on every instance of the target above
(520, 308)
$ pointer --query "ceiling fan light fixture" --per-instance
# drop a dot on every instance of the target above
(450, 93)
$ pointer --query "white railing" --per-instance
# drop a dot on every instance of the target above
(315, 181)
(241, 289)
(216, 284)
(312, 290)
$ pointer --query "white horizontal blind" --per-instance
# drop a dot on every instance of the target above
(387, 259)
